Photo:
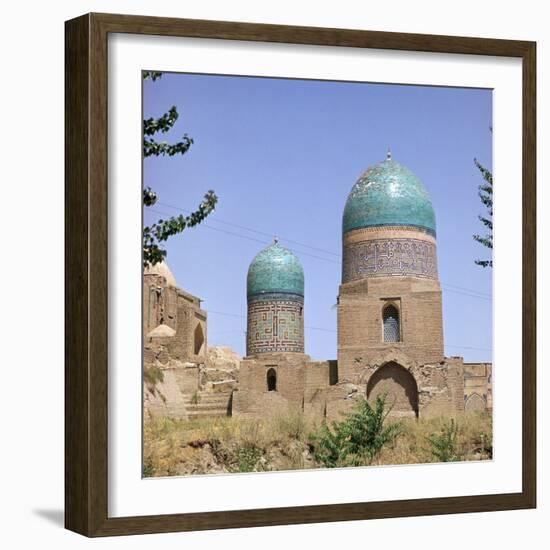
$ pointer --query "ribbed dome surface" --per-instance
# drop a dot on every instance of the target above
(275, 270)
(388, 194)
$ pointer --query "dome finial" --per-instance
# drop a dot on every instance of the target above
(388, 154)
(275, 239)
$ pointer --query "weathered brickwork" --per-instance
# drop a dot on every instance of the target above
(168, 306)
(478, 386)
(360, 321)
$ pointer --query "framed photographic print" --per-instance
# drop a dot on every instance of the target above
(293, 292)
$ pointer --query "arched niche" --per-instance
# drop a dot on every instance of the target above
(475, 402)
(399, 386)
(198, 339)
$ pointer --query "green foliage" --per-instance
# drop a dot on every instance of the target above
(148, 469)
(358, 439)
(195, 398)
(152, 148)
(153, 375)
(485, 444)
(156, 234)
(151, 75)
(246, 458)
(444, 444)
(485, 192)
(482, 443)
(161, 231)
(153, 125)
(149, 196)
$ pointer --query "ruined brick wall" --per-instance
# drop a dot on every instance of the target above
(412, 389)
(190, 342)
(169, 396)
(253, 404)
(478, 390)
(340, 399)
(254, 395)
(399, 386)
(317, 381)
(159, 303)
(181, 311)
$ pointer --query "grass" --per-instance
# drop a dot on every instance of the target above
(285, 442)
(413, 446)
(151, 377)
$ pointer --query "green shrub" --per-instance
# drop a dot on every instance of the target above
(152, 376)
(358, 439)
(486, 444)
(444, 444)
(195, 398)
(148, 469)
(246, 458)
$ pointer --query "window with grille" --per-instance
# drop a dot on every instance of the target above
(391, 324)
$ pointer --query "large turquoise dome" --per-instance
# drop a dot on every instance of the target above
(388, 194)
(275, 270)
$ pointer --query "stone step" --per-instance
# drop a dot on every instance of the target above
(206, 413)
(218, 402)
(206, 398)
(205, 406)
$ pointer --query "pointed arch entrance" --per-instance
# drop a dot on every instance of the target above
(475, 403)
(399, 386)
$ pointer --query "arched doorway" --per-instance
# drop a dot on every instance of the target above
(475, 403)
(399, 386)
(271, 380)
(198, 339)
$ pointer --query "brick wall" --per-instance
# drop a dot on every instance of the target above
(478, 387)
(179, 310)
(360, 325)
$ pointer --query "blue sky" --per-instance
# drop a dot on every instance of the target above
(282, 155)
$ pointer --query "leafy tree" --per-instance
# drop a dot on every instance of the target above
(156, 234)
(486, 195)
(444, 444)
(358, 439)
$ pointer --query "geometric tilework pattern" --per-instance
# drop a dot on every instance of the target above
(386, 257)
(275, 326)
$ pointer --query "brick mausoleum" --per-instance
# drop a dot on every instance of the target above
(390, 327)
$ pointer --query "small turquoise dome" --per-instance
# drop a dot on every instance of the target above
(388, 194)
(275, 270)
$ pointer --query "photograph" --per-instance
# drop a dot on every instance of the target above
(317, 274)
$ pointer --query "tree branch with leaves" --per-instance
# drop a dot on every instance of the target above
(158, 233)
(485, 192)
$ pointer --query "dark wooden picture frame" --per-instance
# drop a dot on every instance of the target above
(86, 281)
